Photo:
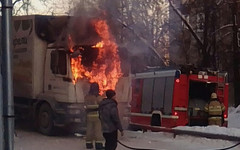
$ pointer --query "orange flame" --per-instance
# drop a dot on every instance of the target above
(98, 45)
(106, 68)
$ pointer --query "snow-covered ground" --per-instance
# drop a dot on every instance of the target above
(166, 141)
(29, 140)
(233, 128)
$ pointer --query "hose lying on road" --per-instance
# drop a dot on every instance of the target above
(229, 147)
(134, 148)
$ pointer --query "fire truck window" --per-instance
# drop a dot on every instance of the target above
(199, 95)
(58, 62)
(147, 95)
(201, 90)
(158, 93)
(168, 95)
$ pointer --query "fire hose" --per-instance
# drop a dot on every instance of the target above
(134, 148)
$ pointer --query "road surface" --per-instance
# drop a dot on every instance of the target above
(28, 139)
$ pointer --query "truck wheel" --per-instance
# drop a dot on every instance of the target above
(45, 119)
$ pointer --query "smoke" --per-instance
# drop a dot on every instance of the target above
(82, 31)
(135, 25)
(81, 26)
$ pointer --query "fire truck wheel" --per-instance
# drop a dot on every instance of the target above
(45, 119)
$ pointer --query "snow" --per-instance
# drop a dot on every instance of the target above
(29, 140)
(234, 117)
(233, 128)
(166, 141)
(213, 129)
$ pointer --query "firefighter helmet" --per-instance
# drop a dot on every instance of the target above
(213, 95)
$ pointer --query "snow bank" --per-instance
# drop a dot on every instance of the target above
(233, 128)
(234, 117)
(212, 129)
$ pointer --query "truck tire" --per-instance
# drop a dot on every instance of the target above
(45, 119)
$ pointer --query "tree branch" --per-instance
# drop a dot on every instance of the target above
(144, 41)
(186, 23)
(219, 2)
(221, 28)
(16, 2)
(222, 37)
(19, 9)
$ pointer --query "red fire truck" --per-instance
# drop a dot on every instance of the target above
(169, 98)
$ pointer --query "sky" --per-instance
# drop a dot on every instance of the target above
(56, 7)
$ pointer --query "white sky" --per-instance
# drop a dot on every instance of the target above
(55, 7)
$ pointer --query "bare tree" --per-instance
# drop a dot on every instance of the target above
(147, 21)
(59, 7)
(139, 26)
(208, 30)
(218, 47)
(21, 7)
(48, 7)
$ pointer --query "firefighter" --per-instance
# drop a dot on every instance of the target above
(215, 110)
(94, 133)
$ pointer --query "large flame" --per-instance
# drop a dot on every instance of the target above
(106, 68)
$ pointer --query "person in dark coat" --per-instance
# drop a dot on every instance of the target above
(110, 121)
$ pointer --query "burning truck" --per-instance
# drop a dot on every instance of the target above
(50, 79)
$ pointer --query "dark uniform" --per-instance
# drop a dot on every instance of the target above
(110, 120)
(215, 111)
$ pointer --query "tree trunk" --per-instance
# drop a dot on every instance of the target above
(206, 58)
(235, 55)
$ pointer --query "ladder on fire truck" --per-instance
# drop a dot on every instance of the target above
(221, 80)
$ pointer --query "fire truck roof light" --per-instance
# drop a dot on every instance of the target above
(175, 113)
(205, 76)
(200, 76)
(202, 73)
(225, 116)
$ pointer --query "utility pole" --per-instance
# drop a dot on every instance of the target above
(1, 99)
(234, 6)
(206, 59)
(6, 71)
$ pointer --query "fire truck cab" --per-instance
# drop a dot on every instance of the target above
(169, 98)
